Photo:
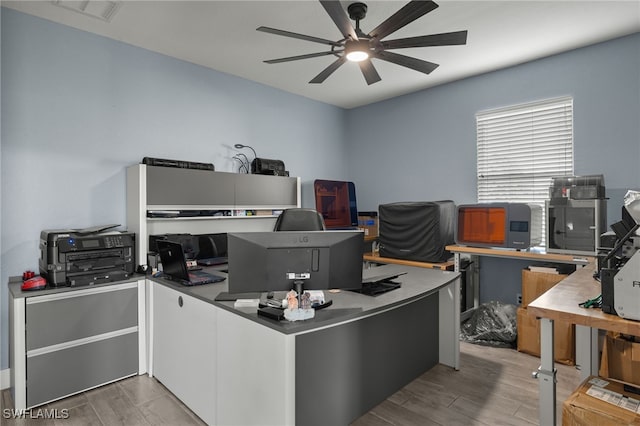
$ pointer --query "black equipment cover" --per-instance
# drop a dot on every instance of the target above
(417, 230)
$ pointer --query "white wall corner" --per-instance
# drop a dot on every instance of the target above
(5, 379)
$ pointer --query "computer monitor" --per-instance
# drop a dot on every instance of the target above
(300, 260)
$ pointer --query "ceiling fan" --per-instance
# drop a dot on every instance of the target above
(360, 47)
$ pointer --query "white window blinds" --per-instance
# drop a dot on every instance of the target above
(520, 148)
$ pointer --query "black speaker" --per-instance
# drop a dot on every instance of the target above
(150, 161)
(265, 166)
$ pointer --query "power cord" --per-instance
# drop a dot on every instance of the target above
(596, 302)
(244, 162)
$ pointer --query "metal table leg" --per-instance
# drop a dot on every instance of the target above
(546, 374)
(587, 354)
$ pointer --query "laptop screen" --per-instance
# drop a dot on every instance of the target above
(173, 260)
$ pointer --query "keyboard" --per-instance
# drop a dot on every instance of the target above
(210, 261)
(376, 288)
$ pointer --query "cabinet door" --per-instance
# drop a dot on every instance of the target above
(262, 191)
(168, 186)
(184, 348)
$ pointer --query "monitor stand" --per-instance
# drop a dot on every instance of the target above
(298, 287)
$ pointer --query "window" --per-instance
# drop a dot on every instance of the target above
(520, 148)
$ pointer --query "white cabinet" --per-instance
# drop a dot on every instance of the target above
(66, 341)
(183, 348)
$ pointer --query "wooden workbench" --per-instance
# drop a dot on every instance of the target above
(561, 303)
(520, 254)
(376, 258)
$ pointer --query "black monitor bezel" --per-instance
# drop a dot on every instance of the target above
(248, 257)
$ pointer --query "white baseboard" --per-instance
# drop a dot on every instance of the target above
(5, 379)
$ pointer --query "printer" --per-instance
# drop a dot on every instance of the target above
(619, 268)
(71, 257)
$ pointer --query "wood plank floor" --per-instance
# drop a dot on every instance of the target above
(493, 387)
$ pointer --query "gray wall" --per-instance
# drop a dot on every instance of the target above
(77, 109)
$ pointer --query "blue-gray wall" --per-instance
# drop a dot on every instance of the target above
(422, 146)
(77, 109)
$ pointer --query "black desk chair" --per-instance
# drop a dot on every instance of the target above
(299, 220)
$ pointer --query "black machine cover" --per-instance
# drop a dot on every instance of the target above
(417, 230)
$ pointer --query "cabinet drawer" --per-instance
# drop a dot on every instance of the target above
(57, 374)
(80, 314)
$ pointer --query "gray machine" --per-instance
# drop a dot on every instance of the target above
(576, 214)
(619, 268)
(626, 289)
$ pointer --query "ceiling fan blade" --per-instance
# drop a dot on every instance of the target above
(298, 57)
(407, 61)
(298, 36)
(328, 70)
(444, 39)
(369, 71)
(409, 13)
(340, 18)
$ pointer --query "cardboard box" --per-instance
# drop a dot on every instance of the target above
(621, 358)
(585, 406)
(369, 224)
(529, 338)
(534, 284)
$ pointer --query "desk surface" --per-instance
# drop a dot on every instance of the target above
(15, 284)
(520, 254)
(374, 257)
(347, 305)
(561, 303)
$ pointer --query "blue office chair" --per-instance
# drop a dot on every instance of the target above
(298, 219)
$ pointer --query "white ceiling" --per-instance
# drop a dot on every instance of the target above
(222, 35)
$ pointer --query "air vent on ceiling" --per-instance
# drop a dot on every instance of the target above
(101, 9)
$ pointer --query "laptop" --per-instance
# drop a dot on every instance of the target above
(174, 265)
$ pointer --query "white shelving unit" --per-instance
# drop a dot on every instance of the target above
(219, 202)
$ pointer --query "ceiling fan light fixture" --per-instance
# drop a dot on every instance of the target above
(358, 46)
(357, 56)
(357, 50)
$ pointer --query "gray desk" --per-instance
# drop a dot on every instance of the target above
(327, 370)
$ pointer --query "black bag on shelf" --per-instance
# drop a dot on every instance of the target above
(416, 230)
